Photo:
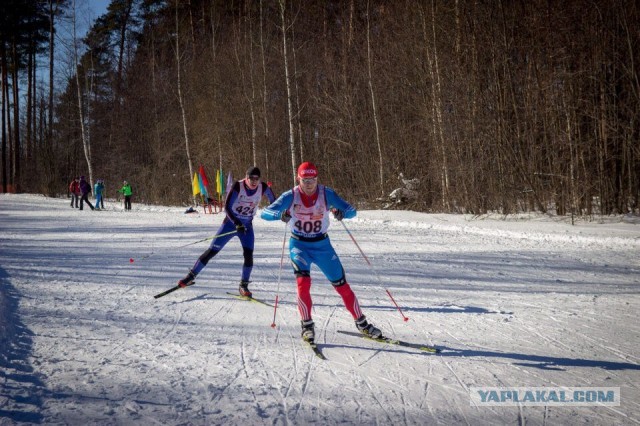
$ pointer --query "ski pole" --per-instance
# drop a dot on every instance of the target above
(209, 238)
(275, 305)
(131, 260)
(405, 318)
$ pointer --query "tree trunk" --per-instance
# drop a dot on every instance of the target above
(16, 119)
(4, 101)
(30, 89)
(292, 145)
(7, 163)
(52, 12)
(34, 112)
(297, 93)
(373, 104)
(86, 143)
(436, 105)
(264, 93)
(247, 93)
(121, 44)
(181, 101)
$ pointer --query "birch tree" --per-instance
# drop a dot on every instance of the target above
(264, 90)
(86, 142)
(292, 145)
(183, 114)
(248, 68)
(429, 37)
(373, 102)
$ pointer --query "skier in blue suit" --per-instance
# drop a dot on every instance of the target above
(307, 208)
(240, 207)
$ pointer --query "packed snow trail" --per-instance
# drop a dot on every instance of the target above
(525, 301)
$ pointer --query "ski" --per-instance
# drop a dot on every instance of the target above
(315, 349)
(171, 290)
(249, 299)
(388, 340)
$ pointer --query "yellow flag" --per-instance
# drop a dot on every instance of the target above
(218, 188)
(196, 184)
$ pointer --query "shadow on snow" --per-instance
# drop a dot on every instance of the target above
(21, 385)
(540, 361)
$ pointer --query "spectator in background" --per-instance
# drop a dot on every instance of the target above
(98, 190)
(74, 189)
(127, 192)
(85, 190)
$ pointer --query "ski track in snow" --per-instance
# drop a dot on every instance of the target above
(515, 301)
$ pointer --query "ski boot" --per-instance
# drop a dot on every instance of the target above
(308, 331)
(244, 289)
(367, 328)
(187, 281)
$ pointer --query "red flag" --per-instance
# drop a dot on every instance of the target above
(205, 181)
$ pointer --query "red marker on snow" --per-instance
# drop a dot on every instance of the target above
(131, 260)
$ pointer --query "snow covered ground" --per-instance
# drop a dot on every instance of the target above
(527, 301)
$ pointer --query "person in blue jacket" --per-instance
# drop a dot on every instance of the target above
(306, 207)
(240, 207)
(98, 190)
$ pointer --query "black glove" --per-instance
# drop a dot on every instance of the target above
(285, 216)
(338, 214)
(241, 229)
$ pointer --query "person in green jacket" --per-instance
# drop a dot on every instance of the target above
(126, 191)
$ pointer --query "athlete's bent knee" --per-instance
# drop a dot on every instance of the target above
(341, 281)
(207, 255)
(300, 274)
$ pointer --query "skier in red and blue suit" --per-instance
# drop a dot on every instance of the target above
(307, 208)
(240, 207)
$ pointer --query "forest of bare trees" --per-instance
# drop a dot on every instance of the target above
(503, 106)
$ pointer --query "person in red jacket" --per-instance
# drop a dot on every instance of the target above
(74, 189)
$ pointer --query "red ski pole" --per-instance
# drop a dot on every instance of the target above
(394, 302)
(405, 318)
